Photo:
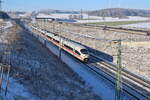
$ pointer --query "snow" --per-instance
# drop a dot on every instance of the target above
(111, 19)
(8, 25)
(139, 25)
(99, 86)
(16, 90)
(25, 15)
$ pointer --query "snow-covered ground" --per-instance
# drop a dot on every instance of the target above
(16, 91)
(8, 24)
(139, 25)
(110, 19)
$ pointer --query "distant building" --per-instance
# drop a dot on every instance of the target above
(55, 17)
(24, 15)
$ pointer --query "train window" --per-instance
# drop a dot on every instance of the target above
(56, 41)
(49, 36)
(77, 52)
(84, 51)
(68, 47)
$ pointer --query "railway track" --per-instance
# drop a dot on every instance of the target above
(104, 75)
(116, 29)
(144, 31)
(136, 83)
(129, 80)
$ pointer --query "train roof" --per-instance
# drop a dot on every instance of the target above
(65, 41)
(74, 45)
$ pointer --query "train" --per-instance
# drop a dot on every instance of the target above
(75, 49)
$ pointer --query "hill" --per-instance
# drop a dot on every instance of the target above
(51, 11)
(119, 12)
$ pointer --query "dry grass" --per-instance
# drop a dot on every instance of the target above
(136, 49)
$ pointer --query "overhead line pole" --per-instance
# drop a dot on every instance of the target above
(119, 73)
(60, 41)
(81, 14)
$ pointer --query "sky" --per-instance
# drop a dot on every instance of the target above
(30, 5)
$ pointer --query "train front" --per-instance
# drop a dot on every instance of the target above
(85, 55)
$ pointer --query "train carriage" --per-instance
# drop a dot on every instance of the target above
(73, 48)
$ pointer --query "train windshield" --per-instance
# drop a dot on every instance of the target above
(84, 51)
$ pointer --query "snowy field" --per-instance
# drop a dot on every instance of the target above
(92, 19)
(139, 25)
(16, 91)
(110, 19)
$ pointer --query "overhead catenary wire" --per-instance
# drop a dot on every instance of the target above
(90, 37)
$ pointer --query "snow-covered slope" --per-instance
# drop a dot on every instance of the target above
(16, 91)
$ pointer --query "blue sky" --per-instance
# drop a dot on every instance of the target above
(30, 5)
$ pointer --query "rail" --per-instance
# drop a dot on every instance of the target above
(133, 78)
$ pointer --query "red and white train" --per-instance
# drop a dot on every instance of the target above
(75, 49)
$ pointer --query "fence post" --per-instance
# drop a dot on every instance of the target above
(7, 80)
